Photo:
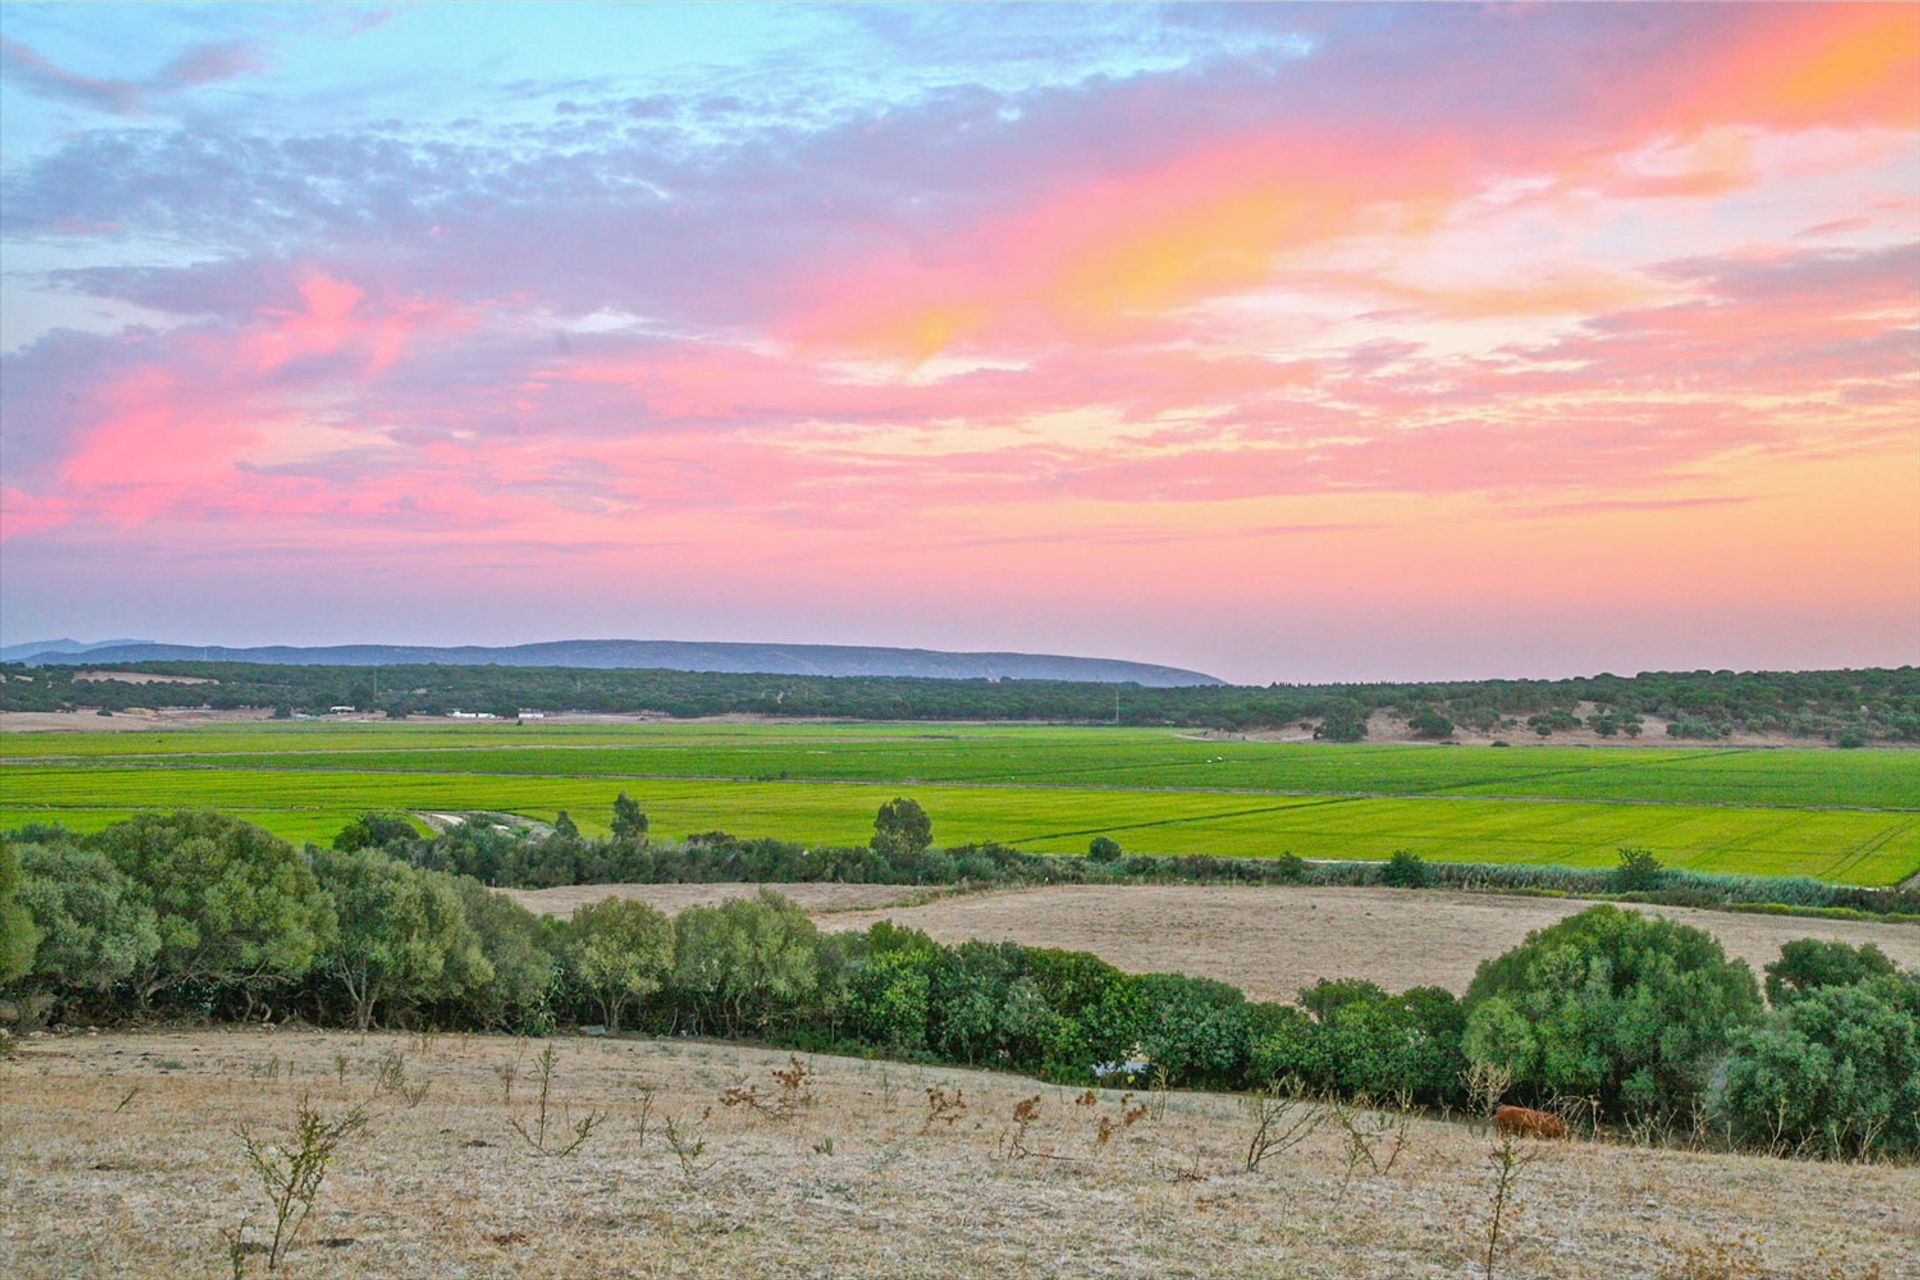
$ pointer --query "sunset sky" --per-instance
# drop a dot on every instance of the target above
(1282, 342)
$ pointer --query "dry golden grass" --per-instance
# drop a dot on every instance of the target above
(118, 1157)
(817, 899)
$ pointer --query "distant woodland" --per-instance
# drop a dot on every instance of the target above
(1848, 708)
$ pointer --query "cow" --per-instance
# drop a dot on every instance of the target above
(1524, 1122)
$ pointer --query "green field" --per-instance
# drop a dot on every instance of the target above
(1850, 816)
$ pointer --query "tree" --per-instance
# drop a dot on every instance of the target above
(402, 936)
(19, 937)
(621, 950)
(1406, 870)
(1428, 723)
(1808, 964)
(1195, 1028)
(515, 945)
(1638, 871)
(564, 828)
(375, 831)
(1343, 720)
(233, 903)
(1611, 1002)
(629, 820)
(1104, 849)
(97, 926)
(744, 960)
(1837, 1070)
(902, 827)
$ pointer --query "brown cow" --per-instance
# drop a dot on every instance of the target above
(1524, 1122)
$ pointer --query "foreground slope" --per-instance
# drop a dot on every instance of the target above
(118, 1156)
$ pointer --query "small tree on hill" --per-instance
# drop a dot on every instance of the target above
(902, 826)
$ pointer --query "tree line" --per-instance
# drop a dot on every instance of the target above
(1645, 1020)
(1846, 707)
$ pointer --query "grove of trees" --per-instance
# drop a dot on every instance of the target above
(1647, 1017)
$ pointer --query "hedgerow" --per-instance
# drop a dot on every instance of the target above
(1647, 1016)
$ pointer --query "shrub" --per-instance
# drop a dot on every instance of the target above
(1638, 871)
(1613, 1003)
(621, 951)
(1808, 964)
(402, 933)
(19, 936)
(888, 1000)
(745, 962)
(375, 831)
(514, 942)
(96, 926)
(1195, 1029)
(1836, 1071)
(1379, 1044)
(1428, 723)
(1104, 849)
(1405, 870)
(233, 903)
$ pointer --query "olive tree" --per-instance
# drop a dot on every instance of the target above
(739, 963)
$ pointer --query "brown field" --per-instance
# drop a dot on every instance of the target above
(815, 898)
(1267, 941)
(118, 1157)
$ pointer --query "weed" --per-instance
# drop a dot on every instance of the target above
(943, 1107)
(689, 1146)
(126, 1099)
(824, 1147)
(545, 1122)
(790, 1097)
(1508, 1160)
(291, 1173)
(390, 1077)
(340, 1064)
(1282, 1120)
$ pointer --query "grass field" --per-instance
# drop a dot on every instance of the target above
(119, 1158)
(1850, 816)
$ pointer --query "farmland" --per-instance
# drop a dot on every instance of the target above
(1852, 816)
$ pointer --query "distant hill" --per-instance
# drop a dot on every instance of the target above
(664, 655)
(34, 650)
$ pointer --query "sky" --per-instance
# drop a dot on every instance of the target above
(1287, 343)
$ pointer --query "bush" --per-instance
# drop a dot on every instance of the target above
(515, 943)
(1195, 1029)
(1638, 871)
(19, 937)
(1808, 964)
(1613, 1003)
(375, 831)
(745, 963)
(96, 926)
(1104, 849)
(1837, 1071)
(402, 935)
(1405, 870)
(1428, 723)
(233, 903)
(621, 951)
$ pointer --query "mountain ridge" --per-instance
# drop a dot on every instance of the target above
(733, 657)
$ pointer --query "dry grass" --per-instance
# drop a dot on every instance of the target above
(855, 1184)
(816, 899)
(1270, 942)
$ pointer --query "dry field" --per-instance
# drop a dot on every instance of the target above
(118, 1157)
(1269, 942)
(815, 898)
